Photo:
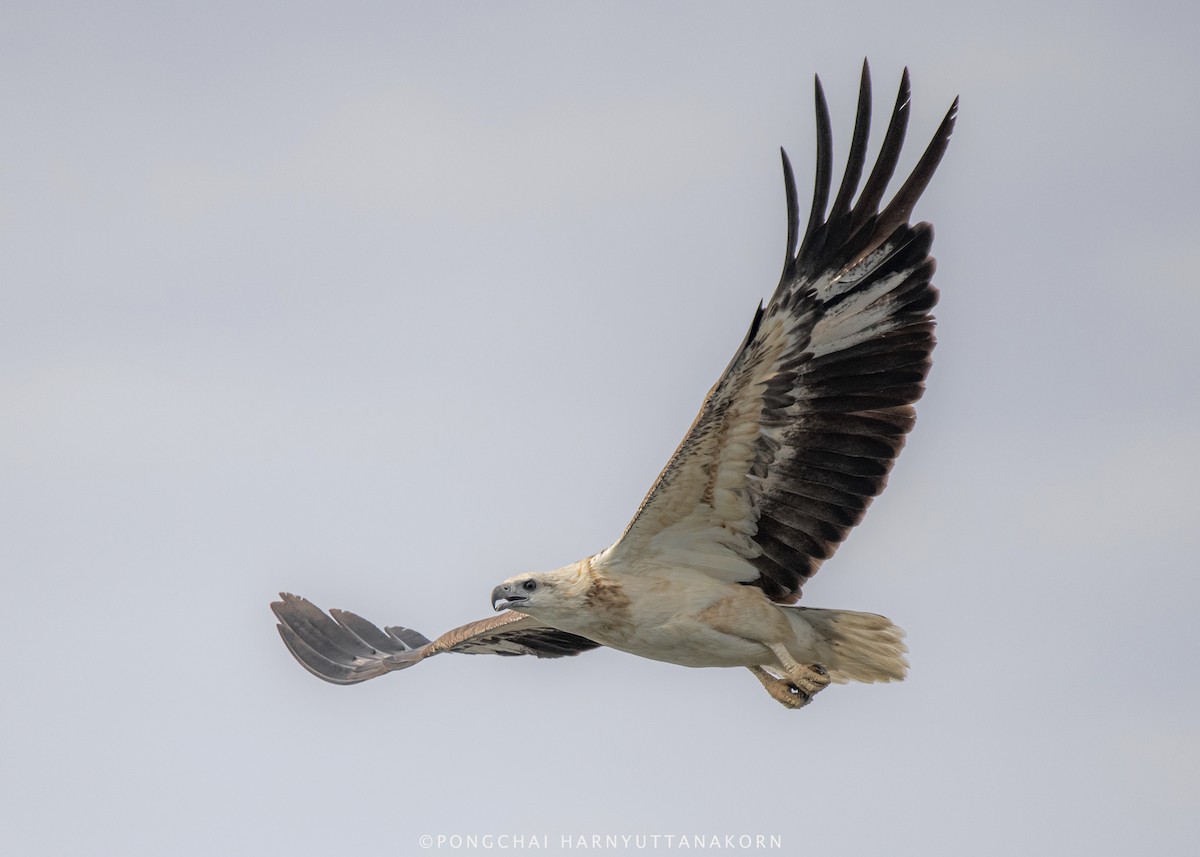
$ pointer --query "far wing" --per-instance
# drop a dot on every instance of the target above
(801, 430)
(343, 648)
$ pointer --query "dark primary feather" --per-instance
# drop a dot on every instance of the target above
(343, 648)
(885, 163)
(857, 158)
(816, 214)
(833, 407)
(843, 415)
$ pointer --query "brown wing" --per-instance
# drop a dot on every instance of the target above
(801, 430)
(343, 648)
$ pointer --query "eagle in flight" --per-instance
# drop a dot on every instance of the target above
(792, 443)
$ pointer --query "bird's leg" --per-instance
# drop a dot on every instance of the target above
(810, 679)
(782, 690)
(801, 682)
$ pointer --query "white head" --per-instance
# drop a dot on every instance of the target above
(545, 595)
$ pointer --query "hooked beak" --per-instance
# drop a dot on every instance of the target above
(503, 597)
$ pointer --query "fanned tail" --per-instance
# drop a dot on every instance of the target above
(855, 646)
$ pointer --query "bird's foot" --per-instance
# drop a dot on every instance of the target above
(809, 679)
(798, 689)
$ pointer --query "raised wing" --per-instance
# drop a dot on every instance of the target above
(801, 430)
(343, 648)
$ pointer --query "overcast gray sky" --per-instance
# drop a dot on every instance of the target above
(381, 303)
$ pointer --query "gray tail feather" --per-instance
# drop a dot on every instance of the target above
(341, 647)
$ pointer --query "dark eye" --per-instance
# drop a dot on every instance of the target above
(530, 585)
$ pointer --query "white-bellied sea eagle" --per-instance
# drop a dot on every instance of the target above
(789, 448)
